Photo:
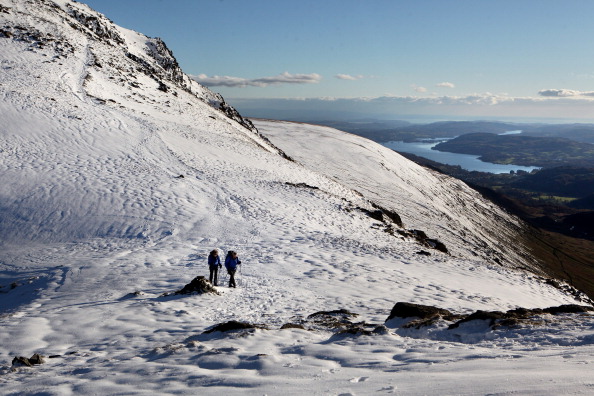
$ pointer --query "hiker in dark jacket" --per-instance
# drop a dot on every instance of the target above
(231, 263)
(214, 263)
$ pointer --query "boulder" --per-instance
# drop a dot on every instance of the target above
(230, 326)
(198, 285)
(410, 310)
(28, 362)
(491, 316)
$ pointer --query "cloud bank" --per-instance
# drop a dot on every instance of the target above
(238, 82)
(476, 106)
(564, 93)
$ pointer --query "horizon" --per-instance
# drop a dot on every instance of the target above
(398, 60)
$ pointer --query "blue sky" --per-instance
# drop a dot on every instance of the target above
(446, 59)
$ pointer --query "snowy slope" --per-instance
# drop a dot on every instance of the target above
(98, 123)
(444, 208)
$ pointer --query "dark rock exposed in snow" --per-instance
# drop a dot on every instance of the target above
(409, 310)
(20, 361)
(428, 315)
(198, 285)
(332, 319)
(492, 316)
(292, 326)
(96, 24)
(232, 325)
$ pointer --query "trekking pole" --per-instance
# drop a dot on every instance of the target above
(241, 280)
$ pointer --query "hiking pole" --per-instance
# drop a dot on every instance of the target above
(245, 282)
(241, 282)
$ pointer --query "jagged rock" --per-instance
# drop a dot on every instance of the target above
(435, 244)
(29, 362)
(292, 326)
(491, 316)
(410, 310)
(390, 214)
(420, 235)
(341, 312)
(198, 285)
(374, 214)
(302, 185)
(337, 320)
(569, 308)
(517, 316)
(98, 25)
(234, 115)
(232, 325)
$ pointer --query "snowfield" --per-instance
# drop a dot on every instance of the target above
(119, 174)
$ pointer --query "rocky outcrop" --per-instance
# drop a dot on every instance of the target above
(428, 315)
(517, 316)
(338, 322)
(383, 215)
(20, 361)
(96, 24)
(408, 310)
(232, 325)
(158, 50)
(198, 285)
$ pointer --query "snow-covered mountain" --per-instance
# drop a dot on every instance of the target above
(119, 174)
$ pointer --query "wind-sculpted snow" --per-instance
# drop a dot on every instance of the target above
(118, 179)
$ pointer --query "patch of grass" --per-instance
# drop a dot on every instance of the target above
(564, 257)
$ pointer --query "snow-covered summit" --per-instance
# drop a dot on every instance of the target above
(119, 174)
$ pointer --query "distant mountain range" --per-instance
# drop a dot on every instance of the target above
(384, 131)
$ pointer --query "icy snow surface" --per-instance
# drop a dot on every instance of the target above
(96, 225)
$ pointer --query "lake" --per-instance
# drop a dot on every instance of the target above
(466, 161)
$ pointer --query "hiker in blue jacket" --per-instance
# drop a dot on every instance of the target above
(231, 263)
(214, 263)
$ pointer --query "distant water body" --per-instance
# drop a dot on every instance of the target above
(466, 161)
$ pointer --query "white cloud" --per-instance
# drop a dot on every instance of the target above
(564, 93)
(445, 85)
(283, 78)
(476, 106)
(220, 81)
(418, 89)
(348, 77)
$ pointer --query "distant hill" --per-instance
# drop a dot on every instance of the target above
(578, 132)
(522, 150)
(395, 130)
(568, 181)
